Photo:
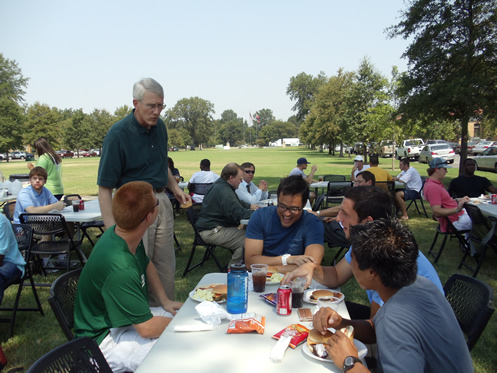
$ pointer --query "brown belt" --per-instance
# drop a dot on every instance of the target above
(160, 190)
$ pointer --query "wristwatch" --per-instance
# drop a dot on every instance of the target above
(349, 363)
(284, 258)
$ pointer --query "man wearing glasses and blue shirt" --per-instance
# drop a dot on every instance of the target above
(285, 236)
(248, 191)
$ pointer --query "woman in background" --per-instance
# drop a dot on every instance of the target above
(52, 162)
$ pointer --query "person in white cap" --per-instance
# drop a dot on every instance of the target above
(358, 166)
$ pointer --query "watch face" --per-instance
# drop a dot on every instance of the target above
(349, 361)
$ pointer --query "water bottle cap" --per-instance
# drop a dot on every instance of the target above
(238, 267)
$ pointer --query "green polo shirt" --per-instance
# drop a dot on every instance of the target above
(112, 289)
(130, 152)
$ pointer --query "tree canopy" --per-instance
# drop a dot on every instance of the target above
(452, 70)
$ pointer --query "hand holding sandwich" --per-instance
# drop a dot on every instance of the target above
(339, 347)
(327, 318)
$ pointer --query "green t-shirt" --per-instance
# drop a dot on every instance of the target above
(112, 290)
(54, 171)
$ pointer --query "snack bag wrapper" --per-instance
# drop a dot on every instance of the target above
(298, 338)
(279, 349)
(246, 323)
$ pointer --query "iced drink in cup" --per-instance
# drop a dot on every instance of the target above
(320, 178)
(259, 272)
(75, 205)
(298, 286)
(331, 302)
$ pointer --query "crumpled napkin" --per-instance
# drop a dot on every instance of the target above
(211, 314)
(279, 349)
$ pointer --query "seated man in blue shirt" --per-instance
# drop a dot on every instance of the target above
(11, 261)
(285, 236)
(35, 198)
(359, 206)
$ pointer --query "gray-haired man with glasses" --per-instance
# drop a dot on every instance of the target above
(285, 236)
(135, 149)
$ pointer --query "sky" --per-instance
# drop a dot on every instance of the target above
(237, 54)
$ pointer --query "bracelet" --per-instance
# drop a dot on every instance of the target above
(319, 213)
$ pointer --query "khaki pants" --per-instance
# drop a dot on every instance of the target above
(159, 246)
(231, 238)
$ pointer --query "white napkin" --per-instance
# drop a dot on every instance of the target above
(193, 328)
(278, 351)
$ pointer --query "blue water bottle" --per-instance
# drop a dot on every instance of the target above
(237, 289)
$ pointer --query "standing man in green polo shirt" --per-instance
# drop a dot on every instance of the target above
(135, 149)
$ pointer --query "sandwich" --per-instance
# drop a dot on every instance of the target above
(219, 293)
(316, 340)
(324, 293)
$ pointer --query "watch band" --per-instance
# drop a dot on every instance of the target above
(349, 363)
(284, 259)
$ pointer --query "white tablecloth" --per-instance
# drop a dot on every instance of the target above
(217, 351)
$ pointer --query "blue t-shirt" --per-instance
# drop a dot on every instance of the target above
(8, 245)
(265, 225)
(29, 197)
(425, 269)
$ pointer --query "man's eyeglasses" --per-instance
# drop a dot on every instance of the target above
(293, 210)
(249, 171)
(153, 208)
(152, 107)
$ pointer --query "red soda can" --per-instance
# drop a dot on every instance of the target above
(494, 199)
(284, 300)
(81, 204)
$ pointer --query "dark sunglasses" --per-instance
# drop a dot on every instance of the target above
(249, 171)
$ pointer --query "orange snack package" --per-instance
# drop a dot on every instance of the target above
(246, 323)
(300, 337)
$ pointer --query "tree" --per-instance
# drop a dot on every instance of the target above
(76, 131)
(365, 102)
(278, 130)
(12, 83)
(99, 122)
(11, 125)
(42, 121)
(302, 89)
(178, 137)
(121, 112)
(452, 71)
(195, 115)
(326, 117)
(230, 128)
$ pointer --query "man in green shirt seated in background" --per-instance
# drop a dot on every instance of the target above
(112, 298)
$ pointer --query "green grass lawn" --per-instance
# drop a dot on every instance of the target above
(36, 335)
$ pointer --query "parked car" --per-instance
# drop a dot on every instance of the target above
(429, 142)
(487, 160)
(432, 151)
(482, 145)
(456, 146)
(96, 151)
(89, 153)
(471, 146)
(3, 156)
(410, 148)
(175, 148)
(17, 155)
(385, 148)
(65, 153)
(346, 148)
(358, 148)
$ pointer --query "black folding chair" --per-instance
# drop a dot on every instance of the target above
(419, 199)
(192, 215)
(23, 234)
(78, 356)
(88, 225)
(8, 210)
(200, 188)
(453, 232)
(336, 191)
(482, 235)
(62, 298)
(318, 203)
(471, 301)
(53, 225)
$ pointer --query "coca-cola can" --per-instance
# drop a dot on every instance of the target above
(284, 300)
(494, 199)
(81, 204)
